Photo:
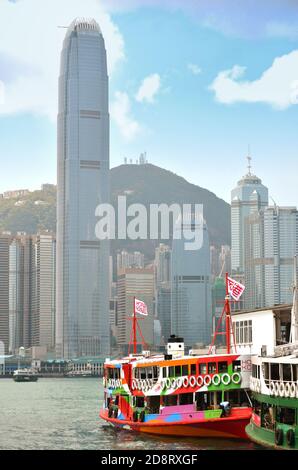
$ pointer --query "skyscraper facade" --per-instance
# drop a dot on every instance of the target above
(191, 316)
(82, 321)
(249, 196)
(271, 240)
(5, 240)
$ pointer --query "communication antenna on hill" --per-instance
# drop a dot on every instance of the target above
(66, 27)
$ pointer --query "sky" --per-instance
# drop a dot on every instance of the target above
(192, 83)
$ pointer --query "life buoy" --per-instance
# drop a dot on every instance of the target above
(179, 382)
(225, 379)
(282, 389)
(236, 378)
(192, 381)
(139, 385)
(290, 436)
(279, 437)
(272, 388)
(292, 390)
(151, 383)
(133, 385)
(173, 383)
(200, 381)
(216, 380)
(287, 390)
(185, 382)
(207, 380)
(168, 383)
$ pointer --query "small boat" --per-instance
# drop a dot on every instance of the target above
(274, 387)
(25, 375)
(79, 374)
(174, 394)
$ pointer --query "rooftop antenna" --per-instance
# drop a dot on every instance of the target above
(66, 27)
(249, 159)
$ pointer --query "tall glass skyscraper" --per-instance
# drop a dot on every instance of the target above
(82, 320)
(191, 315)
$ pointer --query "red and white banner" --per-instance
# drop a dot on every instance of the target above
(140, 307)
(235, 289)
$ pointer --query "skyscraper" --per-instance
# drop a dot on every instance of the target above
(249, 196)
(5, 240)
(271, 240)
(82, 321)
(191, 315)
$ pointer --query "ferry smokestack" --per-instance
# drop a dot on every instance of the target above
(175, 346)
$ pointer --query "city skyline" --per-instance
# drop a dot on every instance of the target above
(191, 91)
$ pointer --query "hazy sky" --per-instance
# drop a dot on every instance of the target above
(191, 82)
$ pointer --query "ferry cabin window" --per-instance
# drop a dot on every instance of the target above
(203, 368)
(286, 372)
(155, 372)
(286, 416)
(222, 367)
(274, 371)
(170, 400)
(185, 369)
(186, 399)
(171, 371)
(212, 368)
(265, 367)
(140, 402)
(236, 366)
(149, 372)
(177, 371)
(164, 372)
(255, 371)
(143, 373)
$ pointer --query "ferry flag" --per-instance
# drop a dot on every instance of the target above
(235, 289)
(140, 307)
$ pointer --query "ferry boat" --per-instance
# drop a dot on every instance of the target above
(179, 395)
(274, 386)
(25, 375)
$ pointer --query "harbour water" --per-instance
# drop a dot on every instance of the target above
(63, 414)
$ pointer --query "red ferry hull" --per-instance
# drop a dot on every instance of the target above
(232, 427)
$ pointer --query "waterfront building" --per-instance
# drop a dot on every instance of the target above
(139, 283)
(82, 320)
(5, 240)
(249, 196)
(271, 240)
(191, 290)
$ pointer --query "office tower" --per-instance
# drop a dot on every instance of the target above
(271, 239)
(162, 263)
(139, 283)
(249, 196)
(225, 260)
(43, 316)
(16, 295)
(5, 240)
(82, 321)
(191, 290)
(162, 275)
(127, 259)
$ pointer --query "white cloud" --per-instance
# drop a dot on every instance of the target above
(149, 88)
(277, 85)
(194, 68)
(29, 37)
(120, 112)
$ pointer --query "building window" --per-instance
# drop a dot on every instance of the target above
(243, 331)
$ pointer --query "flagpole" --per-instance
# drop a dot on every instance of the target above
(228, 317)
(134, 326)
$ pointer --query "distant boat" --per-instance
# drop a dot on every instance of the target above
(80, 374)
(25, 375)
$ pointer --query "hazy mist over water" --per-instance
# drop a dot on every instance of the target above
(63, 414)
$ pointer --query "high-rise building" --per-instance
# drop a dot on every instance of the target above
(162, 264)
(162, 275)
(82, 321)
(139, 283)
(126, 259)
(191, 315)
(5, 240)
(43, 317)
(271, 240)
(249, 196)
(16, 294)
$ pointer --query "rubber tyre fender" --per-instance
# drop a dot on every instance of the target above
(279, 437)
